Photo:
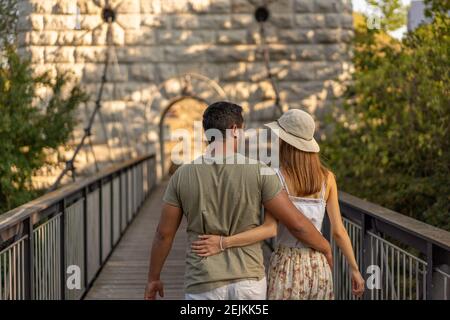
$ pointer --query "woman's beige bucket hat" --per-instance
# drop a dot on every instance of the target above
(296, 127)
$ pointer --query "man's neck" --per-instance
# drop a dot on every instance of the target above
(222, 148)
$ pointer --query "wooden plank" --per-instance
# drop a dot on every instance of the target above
(124, 275)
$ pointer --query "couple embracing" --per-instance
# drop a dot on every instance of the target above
(221, 198)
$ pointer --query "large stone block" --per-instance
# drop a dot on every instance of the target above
(31, 22)
(90, 22)
(232, 37)
(347, 35)
(88, 7)
(337, 52)
(347, 21)
(92, 89)
(242, 20)
(282, 6)
(201, 6)
(34, 6)
(140, 54)
(257, 71)
(93, 72)
(60, 22)
(24, 39)
(155, 21)
(41, 69)
(270, 35)
(280, 52)
(90, 54)
(299, 71)
(128, 91)
(328, 35)
(129, 6)
(166, 71)
(185, 21)
(153, 7)
(242, 6)
(101, 35)
(294, 92)
(35, 54)
(231, 53)
(296, 36)
(333, 20)
(281, 20)
(329, 5)
(233, 71)
(78, 38)
(310, 21)
(73, 72)
(65, 7)
(187, 37)
(129, 21)
(44, 38)
(142, 72)
(310, 52)
(237, 91)
(175, 6)
(219, 6)
(304, 6)
(144, 36)
(207, 21)
(261, 91)
(59, 54)
(194, 53)
(326, 70)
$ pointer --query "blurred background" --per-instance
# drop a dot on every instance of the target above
(373, 73)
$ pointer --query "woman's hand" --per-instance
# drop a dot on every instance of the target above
(207, 245)
(358, 283)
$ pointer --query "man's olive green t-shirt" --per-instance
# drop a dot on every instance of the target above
(222, 199)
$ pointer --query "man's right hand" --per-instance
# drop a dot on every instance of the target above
(152, 288)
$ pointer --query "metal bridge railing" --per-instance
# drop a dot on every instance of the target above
(68, 233)
(402, 258)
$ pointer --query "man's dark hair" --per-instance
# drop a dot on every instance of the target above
(222, 115)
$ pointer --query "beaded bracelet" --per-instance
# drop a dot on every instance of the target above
(221, 244)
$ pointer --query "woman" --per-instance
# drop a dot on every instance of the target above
(296, 271)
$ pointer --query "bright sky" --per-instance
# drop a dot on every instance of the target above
(362, 6)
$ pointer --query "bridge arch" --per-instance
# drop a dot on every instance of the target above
(170, 93)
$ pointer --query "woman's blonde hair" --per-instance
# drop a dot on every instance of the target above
(305, 171)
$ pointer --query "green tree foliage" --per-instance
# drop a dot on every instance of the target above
(391, 143)
(393, 13)
(30, 126)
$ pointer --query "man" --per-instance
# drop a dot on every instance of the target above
(224, 198)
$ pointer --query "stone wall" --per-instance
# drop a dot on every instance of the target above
(157, 40)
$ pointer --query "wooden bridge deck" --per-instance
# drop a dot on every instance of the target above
(124, 275)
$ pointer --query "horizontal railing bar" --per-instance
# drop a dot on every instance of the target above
(397, 248)
(445, 274)
(46, 222)
(21, 213)
(402, 222)
(349, 221)
(13, 244)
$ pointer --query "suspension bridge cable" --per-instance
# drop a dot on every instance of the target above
(69, 166)
(267, 65)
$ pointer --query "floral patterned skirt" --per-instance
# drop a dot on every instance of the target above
(299, 274)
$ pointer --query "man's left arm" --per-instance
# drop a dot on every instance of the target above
(162, 243)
